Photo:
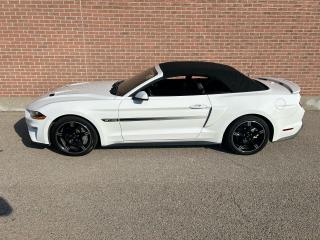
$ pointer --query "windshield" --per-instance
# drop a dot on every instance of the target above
(123, 87)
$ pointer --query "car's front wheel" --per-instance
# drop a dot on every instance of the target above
(247, 135)
(73, 136)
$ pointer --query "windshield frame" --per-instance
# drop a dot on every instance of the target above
(158, 74)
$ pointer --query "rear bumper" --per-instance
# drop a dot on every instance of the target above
(291, 136)
(289, 127)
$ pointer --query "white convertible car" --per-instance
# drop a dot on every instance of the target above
(171, 102)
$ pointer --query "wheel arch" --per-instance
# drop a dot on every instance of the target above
(268, 121)
(73, 115)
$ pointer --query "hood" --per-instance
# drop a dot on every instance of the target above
(99, 90)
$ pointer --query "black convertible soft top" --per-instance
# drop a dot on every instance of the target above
(232, 78)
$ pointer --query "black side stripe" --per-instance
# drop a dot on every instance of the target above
(205, 123)
(111, 120)
(149, 119)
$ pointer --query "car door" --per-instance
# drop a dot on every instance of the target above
(163, 117)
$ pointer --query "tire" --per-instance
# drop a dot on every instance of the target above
(246, 135)
(73, 136)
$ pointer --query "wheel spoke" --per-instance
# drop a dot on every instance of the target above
(65, 145)
(73, 137)
(236, 134)
(85, 133)
(248, 136)
(253, 129)
(83, 147)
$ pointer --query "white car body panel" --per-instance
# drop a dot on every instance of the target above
(166, 119)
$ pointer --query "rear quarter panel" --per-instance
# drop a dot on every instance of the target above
(228, 107)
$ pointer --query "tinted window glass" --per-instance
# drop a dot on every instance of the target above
(126, 86)
(185, 86)
(175, 86)
(212, 85)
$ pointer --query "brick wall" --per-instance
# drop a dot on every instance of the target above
(45, 44)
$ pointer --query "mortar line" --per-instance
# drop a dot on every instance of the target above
(84, 41)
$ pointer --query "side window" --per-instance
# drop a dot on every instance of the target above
(175, 86)
(211, 85)
(187, 86)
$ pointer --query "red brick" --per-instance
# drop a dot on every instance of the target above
(45, 43)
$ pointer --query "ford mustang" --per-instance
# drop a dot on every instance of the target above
(173, 102)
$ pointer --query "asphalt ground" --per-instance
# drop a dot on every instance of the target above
(159, 193)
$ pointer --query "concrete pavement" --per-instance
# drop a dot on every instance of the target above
(159, 193)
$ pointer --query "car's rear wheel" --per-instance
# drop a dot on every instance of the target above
(73, 136)
(247, 135)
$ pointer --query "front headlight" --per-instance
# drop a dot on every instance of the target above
(36, 115)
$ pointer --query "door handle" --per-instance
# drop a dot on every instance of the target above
(199, 106)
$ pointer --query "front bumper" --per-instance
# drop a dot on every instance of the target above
(37, 129)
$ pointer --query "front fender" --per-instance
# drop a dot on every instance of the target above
(53, 116)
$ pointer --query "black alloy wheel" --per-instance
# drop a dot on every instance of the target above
(247, 135)
(73, 136)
